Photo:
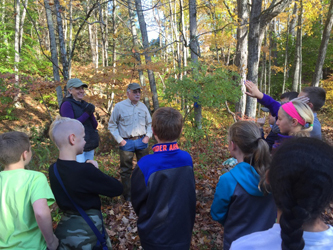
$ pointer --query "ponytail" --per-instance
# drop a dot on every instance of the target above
(301, 180)
(247, 136)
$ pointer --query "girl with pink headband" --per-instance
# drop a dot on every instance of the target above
(295, 119)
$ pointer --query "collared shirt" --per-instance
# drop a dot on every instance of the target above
(129, 120)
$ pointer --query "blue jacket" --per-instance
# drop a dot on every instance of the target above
(240, 206)
(163, 197)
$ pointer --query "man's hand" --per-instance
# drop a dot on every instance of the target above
(122, 143)
(93, 162)
(145, 139)
(53, 245)
(252, 90)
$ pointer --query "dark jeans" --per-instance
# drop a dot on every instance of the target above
(126, 161)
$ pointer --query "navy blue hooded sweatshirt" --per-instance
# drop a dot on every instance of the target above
(240, 206)
(163, 197)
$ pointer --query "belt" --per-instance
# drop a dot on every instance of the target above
(134, 137)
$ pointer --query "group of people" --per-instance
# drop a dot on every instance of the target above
(264, 202)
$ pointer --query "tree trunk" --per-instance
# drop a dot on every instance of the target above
(258, 22)
(286, 59)
(298, 50)
(241, 52)
(92, 39)
(3, 11)
(62, 44)
(24, 12)
(135, 41)
(145, 42)
(70, 39)
(323, 46)
(106, 46)
(103, 27)
(292, 24)
(194, 46)
(254, 52)
(17, 39)
(53, 48)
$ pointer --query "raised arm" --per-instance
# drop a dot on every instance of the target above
(266, 100)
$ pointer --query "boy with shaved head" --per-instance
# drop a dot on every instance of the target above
(83, 181)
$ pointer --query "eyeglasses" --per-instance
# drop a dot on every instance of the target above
(137, 91)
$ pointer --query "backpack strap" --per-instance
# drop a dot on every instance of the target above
(100, 237)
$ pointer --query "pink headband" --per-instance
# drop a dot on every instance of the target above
(291, 110)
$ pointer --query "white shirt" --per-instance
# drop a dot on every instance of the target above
(271, 239)
(130, 120)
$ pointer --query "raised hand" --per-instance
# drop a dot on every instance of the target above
(252, 90)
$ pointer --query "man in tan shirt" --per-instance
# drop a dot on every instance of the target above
(130, 126)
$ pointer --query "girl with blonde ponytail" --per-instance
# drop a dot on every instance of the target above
(295, 119)
(241, 201)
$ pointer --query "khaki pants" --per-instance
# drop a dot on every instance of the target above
(126, 167)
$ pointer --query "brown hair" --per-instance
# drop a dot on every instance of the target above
(12, 146)
(316, 95)
(247, 136)
(167, 124)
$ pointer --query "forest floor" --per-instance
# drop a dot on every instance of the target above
(208, 155)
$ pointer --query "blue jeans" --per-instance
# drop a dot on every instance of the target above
(134, 145)
(85, 156)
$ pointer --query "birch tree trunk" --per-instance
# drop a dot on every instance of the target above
(70, 39)
(53, 48)
(145, 42)
(298, 50)
(17, 39)
(194, 46)
(323, 47)
(241, 52)
(24, 12)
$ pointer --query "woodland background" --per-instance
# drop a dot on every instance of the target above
(200, 54)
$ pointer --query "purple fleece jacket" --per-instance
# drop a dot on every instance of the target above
(66, 110)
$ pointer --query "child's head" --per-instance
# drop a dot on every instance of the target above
(68, 133)
(288, 96)
(295, 118)
(301, 180)
(316, 95)
(167, 124)
(12, 146)
(247, 136)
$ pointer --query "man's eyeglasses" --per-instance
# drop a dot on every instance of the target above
(137, 91)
